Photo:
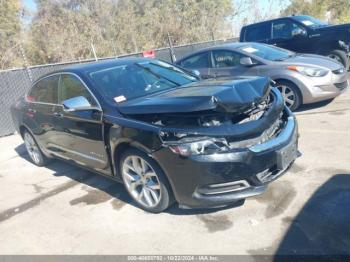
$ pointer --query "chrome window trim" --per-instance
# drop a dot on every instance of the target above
(76, 153)
(60, 74)
(31, 88)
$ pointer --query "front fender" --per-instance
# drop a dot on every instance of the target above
(125, 133)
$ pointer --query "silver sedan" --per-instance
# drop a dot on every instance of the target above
(301, 78)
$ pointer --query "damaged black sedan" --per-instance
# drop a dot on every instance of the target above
(161, 131)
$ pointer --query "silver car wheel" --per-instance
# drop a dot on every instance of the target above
(288, 95)
(141, 181)
(32, 148)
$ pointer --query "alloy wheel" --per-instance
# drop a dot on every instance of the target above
(288, 95)
(32, 148)
(141, 181)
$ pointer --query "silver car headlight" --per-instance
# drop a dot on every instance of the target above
(199, 147)
(309, 71)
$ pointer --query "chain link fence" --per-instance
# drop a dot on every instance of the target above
(15, 83)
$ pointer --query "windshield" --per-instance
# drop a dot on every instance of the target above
(310, 21)
(125, 82)
(267, 52)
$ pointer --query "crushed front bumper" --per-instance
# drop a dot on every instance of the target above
(223, 178)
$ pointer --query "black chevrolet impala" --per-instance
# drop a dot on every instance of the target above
(161, 131)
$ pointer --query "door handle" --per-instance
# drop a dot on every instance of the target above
(56, 114)
(31, 110)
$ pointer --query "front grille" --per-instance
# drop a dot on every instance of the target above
(268, 134)
(342, 86)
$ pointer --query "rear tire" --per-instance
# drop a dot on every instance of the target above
(145, 181)
(33, 149)
(291, 94)
(341, 57)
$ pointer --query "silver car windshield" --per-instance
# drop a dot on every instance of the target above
(267, 52)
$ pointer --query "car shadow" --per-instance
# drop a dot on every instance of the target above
(110, 188)
(321, 228)
(316, 105)
(21, 149)
(78, 174)
(176, 210)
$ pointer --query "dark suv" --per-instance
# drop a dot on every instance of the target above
(302, 34)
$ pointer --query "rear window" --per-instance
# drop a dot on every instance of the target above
(197, 61)
(259, 32)
(45, 91)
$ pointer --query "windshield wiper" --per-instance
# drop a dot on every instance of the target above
(157, 75)
(285, 57)
(173, 69)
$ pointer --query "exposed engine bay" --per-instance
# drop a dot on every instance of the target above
(208, 118)
(243, 114)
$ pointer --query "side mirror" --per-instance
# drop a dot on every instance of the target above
(246, 61)
(77, 103)
(299, 33)
(196, 73)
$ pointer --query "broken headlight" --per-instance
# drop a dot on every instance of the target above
(199, 147)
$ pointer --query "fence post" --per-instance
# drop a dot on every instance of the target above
(94, 51)
(25, 62)
(172, 55)
(114, 50)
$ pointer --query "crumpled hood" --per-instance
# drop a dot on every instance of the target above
(232, 95)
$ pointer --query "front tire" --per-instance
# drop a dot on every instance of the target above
(290, 93)
(145, 181)
(341, 57)
(33, 149)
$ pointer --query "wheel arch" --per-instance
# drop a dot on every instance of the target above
(118, 150)
(23, 128)
(279, 79)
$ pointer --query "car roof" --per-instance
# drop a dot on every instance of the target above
(81, 69)
(275, 19)
(227, 46)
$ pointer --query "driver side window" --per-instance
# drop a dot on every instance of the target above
(286, 29)
(224, 58)
(70, 86)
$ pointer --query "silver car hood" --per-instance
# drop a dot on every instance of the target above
(312, 60)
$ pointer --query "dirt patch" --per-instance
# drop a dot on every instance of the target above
(277, 198)
(7, 214)
(296, 168)
(327, 171)
(267, 252)
(337, 113)
(117, 204)
(215, 223)
(93, 197)
(288, 220)
(38, 188)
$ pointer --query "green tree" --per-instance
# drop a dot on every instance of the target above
(63, 30)
(339, 9)
(10, 29)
